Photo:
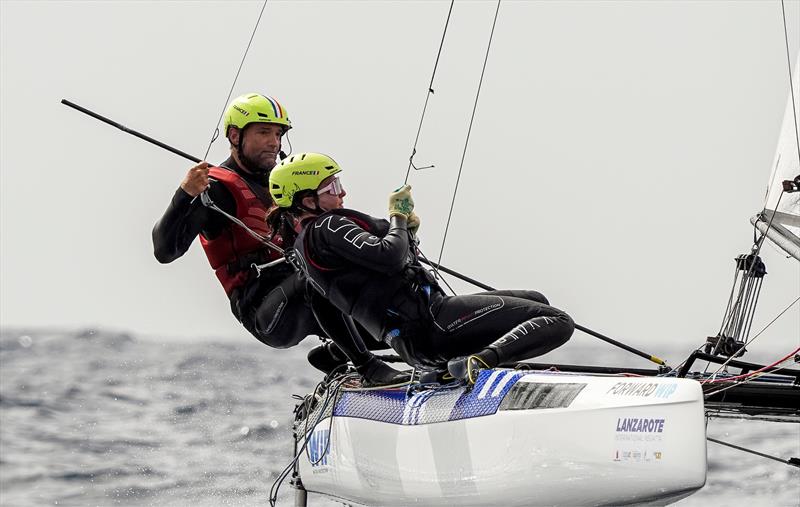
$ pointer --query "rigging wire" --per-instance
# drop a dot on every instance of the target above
(756, 249)
(759, 242)
(751, 340)
(435, 270)
(469, 131)
(427, 97)
(230, 92)
(792, 462)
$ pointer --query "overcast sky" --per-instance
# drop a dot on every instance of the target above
(618, 151)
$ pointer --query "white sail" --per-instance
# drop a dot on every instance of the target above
(780, 219)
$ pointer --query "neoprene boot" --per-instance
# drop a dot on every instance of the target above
(327, 358)
(467, 367)
(376, 373)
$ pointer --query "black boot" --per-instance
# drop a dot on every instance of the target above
(327, 358)
(376, 373)
(467, 367)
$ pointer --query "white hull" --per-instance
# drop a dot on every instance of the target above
(614, 441)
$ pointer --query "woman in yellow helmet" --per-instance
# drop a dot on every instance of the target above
(367, 268)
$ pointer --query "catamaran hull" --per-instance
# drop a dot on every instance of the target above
(539, 439)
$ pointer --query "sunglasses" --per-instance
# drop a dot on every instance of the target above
(334, 188)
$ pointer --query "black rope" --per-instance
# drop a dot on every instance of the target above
(230, 92)
(795, 462)
(331, 392)
(469, 131)
(428, 96)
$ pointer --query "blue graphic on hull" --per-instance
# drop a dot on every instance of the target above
(432, 405)
(318, 447)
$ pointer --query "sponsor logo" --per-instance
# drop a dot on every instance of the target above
(635, 429)
(305, 173)
(636, 455)
(643, 389)
(464, 319)
(636, 425)
(241, 110)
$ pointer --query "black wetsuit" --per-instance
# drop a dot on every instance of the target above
(366, 267)
(272, 306)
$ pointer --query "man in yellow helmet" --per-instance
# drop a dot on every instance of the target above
(270, 303)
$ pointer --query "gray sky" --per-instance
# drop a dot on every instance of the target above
(618, 152)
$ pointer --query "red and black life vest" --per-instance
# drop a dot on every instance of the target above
(231, 253)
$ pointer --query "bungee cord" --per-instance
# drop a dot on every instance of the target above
(215, 135)
(427, 97)
(469, 131)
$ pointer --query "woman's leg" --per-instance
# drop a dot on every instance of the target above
(497, 327)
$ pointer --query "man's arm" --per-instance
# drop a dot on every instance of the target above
(186, 217)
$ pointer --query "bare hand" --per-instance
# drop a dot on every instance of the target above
(196, 179)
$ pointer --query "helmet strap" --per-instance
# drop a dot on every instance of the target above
(316, 210)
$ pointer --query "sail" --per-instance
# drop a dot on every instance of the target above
(780, 220)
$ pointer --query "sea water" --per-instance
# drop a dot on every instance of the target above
(99, 418)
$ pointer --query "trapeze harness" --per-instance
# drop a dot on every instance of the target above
(234, 251)
(374, 295)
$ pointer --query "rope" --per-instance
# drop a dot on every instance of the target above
(230, 92)
(746, 277)
(207, 202)
(756, 336)
(469, 131)
(331, 392)
(428, 96)
(763, 369)
(436, 270)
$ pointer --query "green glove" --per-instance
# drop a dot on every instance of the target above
(401, 202)
(413, 223)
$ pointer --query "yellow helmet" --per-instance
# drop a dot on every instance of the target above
(255, 108)
(304, 171)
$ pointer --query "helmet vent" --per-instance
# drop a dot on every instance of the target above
(262, 115)
(329, 167)
(303, 157)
